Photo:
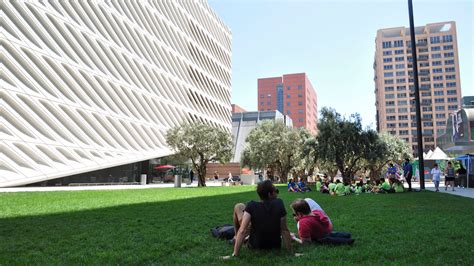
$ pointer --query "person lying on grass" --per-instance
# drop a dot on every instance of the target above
(314, 226)
(264, 221)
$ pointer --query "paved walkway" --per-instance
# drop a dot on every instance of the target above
(464, 192)
(104, 187)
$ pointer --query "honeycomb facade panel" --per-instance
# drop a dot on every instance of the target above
(88, 85)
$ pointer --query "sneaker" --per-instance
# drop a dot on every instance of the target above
(437, 190)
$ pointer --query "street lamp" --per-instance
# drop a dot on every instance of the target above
(417, 97)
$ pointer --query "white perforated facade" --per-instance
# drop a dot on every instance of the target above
(87, 85)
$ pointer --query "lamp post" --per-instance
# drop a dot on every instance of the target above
(417, 97)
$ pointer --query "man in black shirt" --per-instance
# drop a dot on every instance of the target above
(264, 221)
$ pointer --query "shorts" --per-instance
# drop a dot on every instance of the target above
(449, 178)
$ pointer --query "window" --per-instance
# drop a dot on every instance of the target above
(300, 103)
(427, 109)
(436, 63)
(262, 103)
(300, 111)
(425, 79)
(386, 44)
(400, 66)
(435, 39)
(450, 76)
(439, 108)
(388, 67)
(398, 51)
(447, 38)
(385, 53)
(402, 102)
(452, 107)
(288, 112)
(450, 69)
(438, 93)
(387, 60)
(440, 115)
(450, 54)
(448, 47)
(400, 73)
(401, 88)
(427, 124)
(389, 96)
(436, 56)
(402, 124)
(388, 81)
(450, 84)
(401, 95)
(437, 70)
(398, 43)
(441, 123)
(389, 103)
(262, 96)
(288, 104)
(423, 50)
(390, 111)
(399, 59)
(403, 110)
(403, 117)
(300, 95)
(301, 120)
(438, 78)
(300, 87)
(426, 94)
(425, 64)
(449, 62)
(451, 92)
(391, 125)
(269, 103)
(401, 80)
(436, 48)
(388, 88)
(427, 116)
(388, 74)
(439, 100)
(452, 100)
(438, 85)
(288, 88)
(288, 96)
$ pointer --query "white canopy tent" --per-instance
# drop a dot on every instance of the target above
(437, 155)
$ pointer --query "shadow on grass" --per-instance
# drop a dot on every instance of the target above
(408, 228)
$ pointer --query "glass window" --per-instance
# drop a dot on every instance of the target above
(385, 53)
(388, 88)
(398, 51)
(386, 44)
(288, 96)
(436, 48)
(436, 63)
(449, 62)
(435, 39)
(436, 56)
(448, 47)
(288, 104)
(388, 74)
(300, 103)
(447, 38)
(389, 96)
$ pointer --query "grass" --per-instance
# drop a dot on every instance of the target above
(171, 226)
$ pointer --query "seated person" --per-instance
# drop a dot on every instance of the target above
(347, 188)
(315, 226)
(359, 187)
(292, 186)
(377, 188)
(332, 187)
(324, 188)
(264, 221)
(318, 185)
(397, 186)
(302, 185)
(339, 189)
(386, 186)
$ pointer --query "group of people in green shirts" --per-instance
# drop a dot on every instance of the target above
(339, 188)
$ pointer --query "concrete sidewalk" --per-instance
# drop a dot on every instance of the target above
(105, 187)
(463, 192)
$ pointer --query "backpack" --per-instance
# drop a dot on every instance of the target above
(225, 231)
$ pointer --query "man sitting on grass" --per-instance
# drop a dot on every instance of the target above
(264, 221)
(315, 226)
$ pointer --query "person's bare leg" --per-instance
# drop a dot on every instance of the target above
(238, 214)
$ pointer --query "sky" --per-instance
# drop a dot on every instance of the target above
(332, 41)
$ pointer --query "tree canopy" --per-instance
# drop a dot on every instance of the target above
(201, 143)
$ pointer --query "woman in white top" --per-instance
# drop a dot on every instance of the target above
(436, 176)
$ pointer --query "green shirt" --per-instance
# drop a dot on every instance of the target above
(339, 189)
(318, 185)
(398, 188)
(386, 185)
(331, 186)
(347, 189)
(358, 189)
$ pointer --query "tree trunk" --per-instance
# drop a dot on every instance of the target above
(202, 173)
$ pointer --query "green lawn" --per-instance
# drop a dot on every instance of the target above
(171, 226)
